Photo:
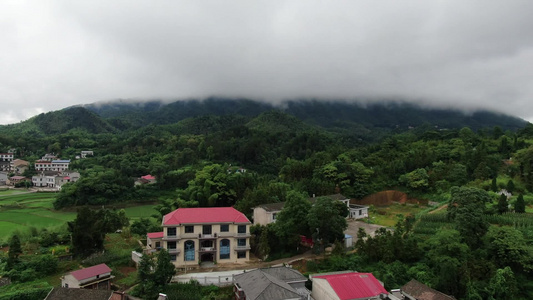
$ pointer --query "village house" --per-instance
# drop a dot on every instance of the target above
(194, 235)
(54, 179)
(154, 240)
(146, 179)
(415, 290)
(49, 157)
(53, 165)
(19, 166)
(5, 161)
(348, 285)
(3, 178)
(45, 179)
(7, 156)
(16, 179)
(276, 283)
(95, 277)
(84, 154)
(266, 213)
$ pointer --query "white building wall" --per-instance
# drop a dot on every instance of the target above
(322, 290)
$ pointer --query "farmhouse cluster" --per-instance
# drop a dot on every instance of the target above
(48, 172)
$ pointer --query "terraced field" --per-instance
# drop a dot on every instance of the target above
(20, 210)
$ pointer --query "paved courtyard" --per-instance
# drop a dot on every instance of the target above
(353, 227)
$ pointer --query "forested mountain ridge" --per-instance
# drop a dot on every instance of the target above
(366, 122)
(329, 114)
(61, 121)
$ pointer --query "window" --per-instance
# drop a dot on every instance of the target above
(171, 245)
(189, 229)
(274, 216)
(224, 228)
(171, 231)
(189, 250)
(173, 257)
(206, 229)
(241, 242)
(66, 285)
(241, 254)
(224, 249)
(360, 212)
(241, 229)
(158, 244)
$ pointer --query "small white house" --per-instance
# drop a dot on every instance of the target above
(95, 277)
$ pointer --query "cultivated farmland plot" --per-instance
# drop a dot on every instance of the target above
(20, 211)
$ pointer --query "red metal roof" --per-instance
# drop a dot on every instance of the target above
(91, 272)
(204, 215)
(155, 235)
(354, 285)
(148, 177)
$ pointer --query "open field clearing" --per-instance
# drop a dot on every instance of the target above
(141, 211)
(21, 211)
(389, 215)
(6, 191)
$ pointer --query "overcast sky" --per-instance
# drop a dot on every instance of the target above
(462, 54)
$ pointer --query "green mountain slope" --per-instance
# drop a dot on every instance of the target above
(61, 121)
(333, 115)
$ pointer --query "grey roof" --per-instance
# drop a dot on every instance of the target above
(273, 206)
(423, 292)
(61, 293)
(285, 274)
(259, 285)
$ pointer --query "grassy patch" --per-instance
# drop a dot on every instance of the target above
(22, 211)
(4, 192)
(389, 215)
(142, 211)
(129, 280)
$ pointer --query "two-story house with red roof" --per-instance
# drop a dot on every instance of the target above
(193, 235)
(95, 277)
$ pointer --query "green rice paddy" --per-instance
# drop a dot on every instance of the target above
(20, 210)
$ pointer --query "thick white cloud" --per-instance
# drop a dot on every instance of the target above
(463, 54)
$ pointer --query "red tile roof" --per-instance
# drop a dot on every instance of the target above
(155, 235)
(204, 215)
(91, 272)
(354, 285)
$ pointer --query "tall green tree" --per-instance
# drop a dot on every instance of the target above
(494, 185)
(520, 205)
(326, 221)
(15, 250)
(503, 285)
(510, 186)
(291, 221)
(466, 208)
(164, 269)
(503, 205)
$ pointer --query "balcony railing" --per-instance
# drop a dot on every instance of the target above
(174, 251)
(243, 234)
(208, 249)
(246, 247)
(171, 238)
(207, 236)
